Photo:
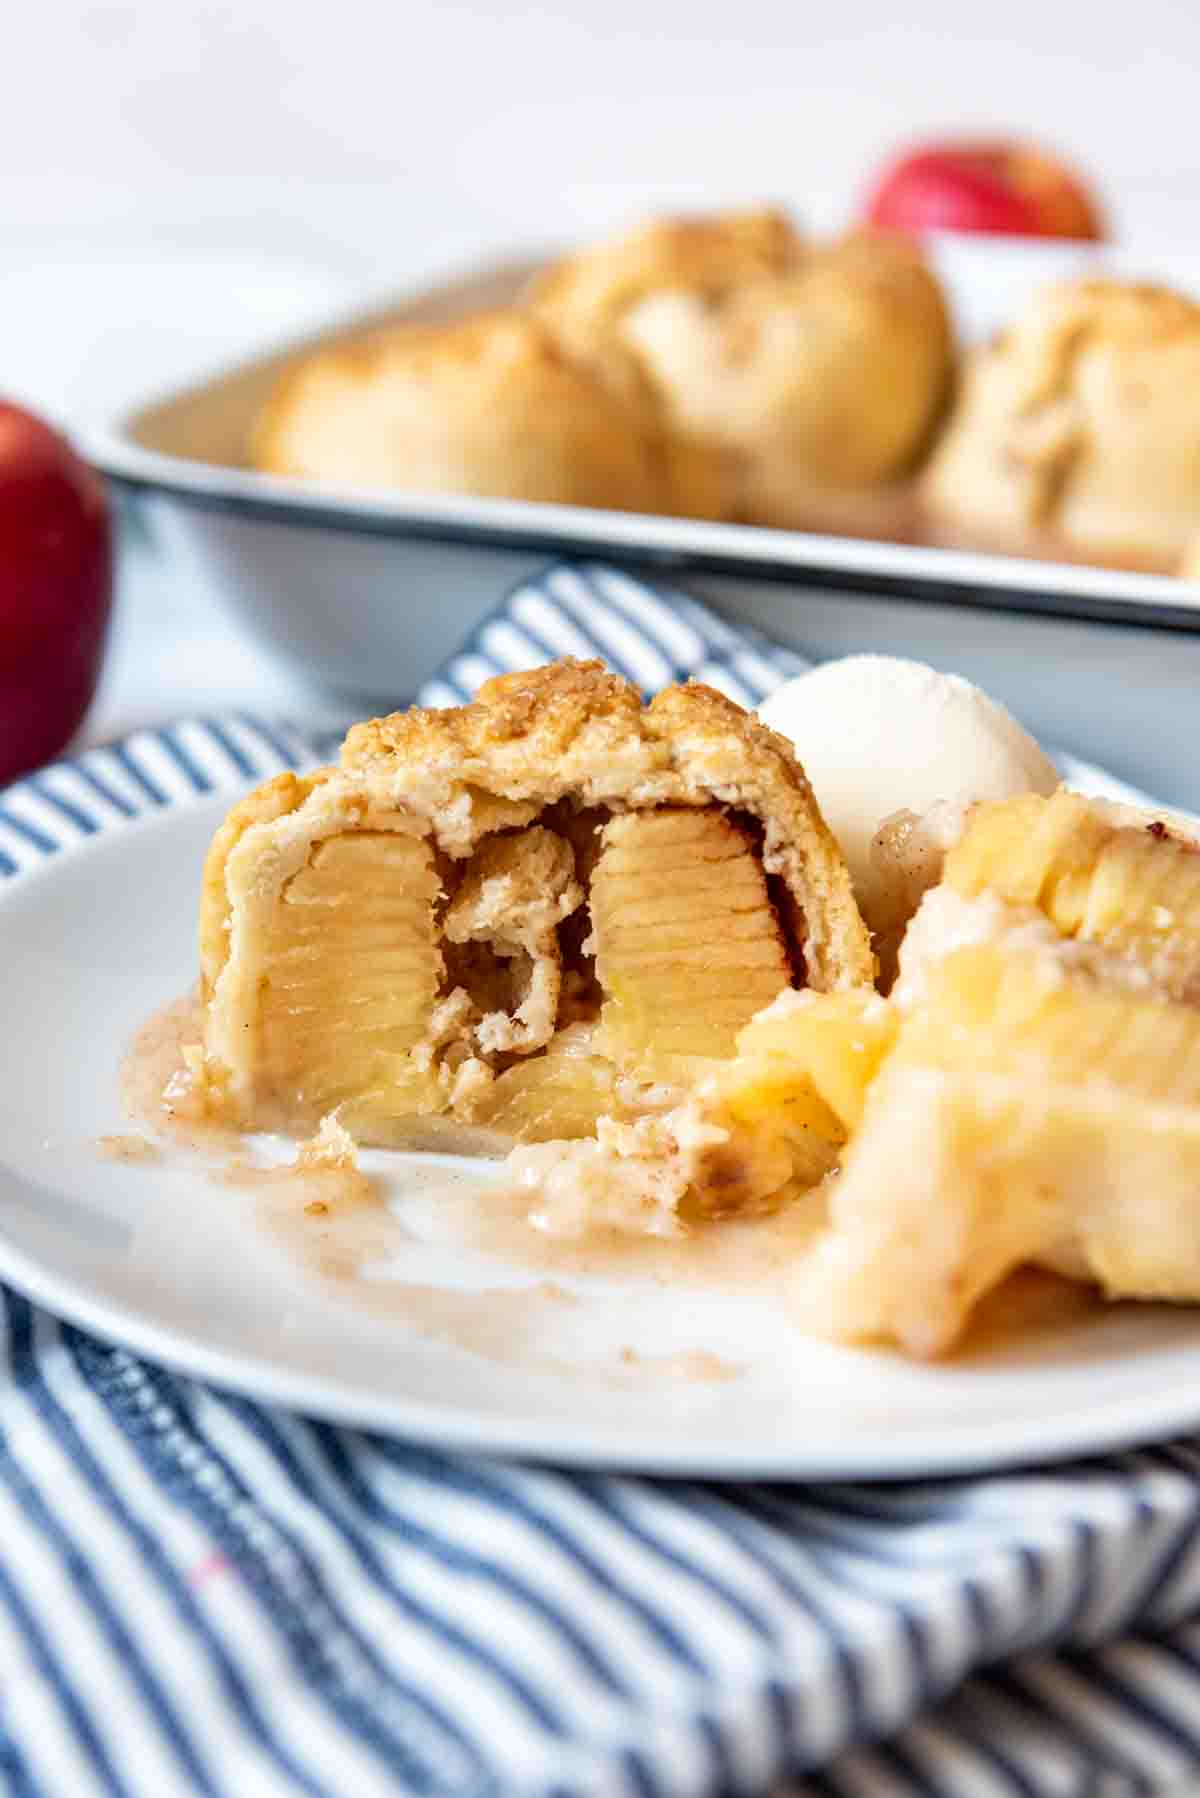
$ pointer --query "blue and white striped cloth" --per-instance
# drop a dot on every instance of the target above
(652, 636)
(202, 1595)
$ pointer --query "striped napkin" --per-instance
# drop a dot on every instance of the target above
(199, 1594)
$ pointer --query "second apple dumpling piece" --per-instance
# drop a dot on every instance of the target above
(1029, 1113)
(1124, 881)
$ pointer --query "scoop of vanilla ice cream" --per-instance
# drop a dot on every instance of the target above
(879, 734)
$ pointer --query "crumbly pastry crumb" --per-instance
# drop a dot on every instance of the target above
(128, 1148)
(630, 1177)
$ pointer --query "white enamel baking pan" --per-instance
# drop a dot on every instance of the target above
(368, 591)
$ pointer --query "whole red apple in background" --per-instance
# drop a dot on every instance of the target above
(55, 590)
(1010, 188)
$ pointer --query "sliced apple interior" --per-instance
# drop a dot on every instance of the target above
(1103, 875)
(688, 944)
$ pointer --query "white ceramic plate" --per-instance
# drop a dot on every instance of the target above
(96, 931)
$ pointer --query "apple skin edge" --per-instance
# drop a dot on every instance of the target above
(1010, 189)
(56, 587)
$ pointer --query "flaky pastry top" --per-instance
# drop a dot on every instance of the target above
(569, 731)
(707, 254)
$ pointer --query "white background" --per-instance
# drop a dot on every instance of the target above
(383, 133)
(362, 144)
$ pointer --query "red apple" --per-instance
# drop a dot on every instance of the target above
(55, 590)
(1010, 188)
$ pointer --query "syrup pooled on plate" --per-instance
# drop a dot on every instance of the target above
(364, 1238)
(160, 1082)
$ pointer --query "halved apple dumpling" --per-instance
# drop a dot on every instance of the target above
(516, 916)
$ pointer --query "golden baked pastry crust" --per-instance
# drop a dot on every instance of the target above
(707, 255)
(822, 370)
(493, 405)
(847, 366)
(493, 815)
(1075, 432)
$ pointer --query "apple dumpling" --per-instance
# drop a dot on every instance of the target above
(494, 405)
(518, 915)
(1075, 433)
(818, 371)
(595, 298)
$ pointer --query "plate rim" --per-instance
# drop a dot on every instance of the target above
(977, 1447)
